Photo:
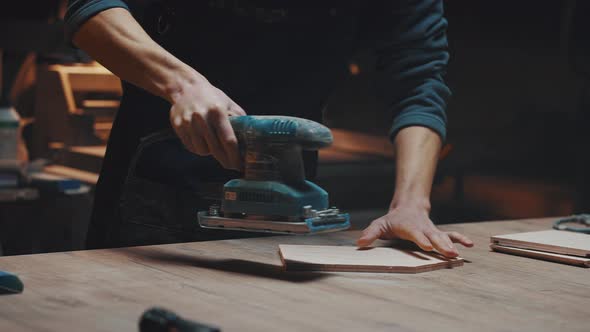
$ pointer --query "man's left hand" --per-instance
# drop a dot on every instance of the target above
(413, 224)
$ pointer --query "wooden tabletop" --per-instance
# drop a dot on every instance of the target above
(239, 285)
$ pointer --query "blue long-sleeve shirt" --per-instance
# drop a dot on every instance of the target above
(409, 40)
(272, 57)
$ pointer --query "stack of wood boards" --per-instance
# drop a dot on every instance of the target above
(552, 245)
(353, 259)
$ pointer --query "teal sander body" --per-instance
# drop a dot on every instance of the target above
(274, 195)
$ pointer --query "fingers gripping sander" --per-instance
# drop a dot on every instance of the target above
(274, 195)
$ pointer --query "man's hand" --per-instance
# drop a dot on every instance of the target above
(413, 224)
(417, 151)
(200, 116)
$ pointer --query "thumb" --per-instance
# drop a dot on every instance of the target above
(370, 234)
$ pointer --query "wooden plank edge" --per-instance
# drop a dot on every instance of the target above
(290, 265)
(84, 176)
(539, 247)
(542, 255)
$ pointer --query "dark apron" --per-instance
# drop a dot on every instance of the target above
(270, 61)
(154, 211)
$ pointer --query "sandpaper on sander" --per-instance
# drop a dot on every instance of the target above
(274, 196)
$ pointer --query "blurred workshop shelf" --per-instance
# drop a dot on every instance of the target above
(74, 105)
(83, 176)
(83, 158)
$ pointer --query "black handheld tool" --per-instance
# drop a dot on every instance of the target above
(161, 320)
(10, 283)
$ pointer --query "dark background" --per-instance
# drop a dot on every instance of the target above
(518, 117)
(515, 94)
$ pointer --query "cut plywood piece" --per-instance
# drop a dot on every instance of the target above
(565, 259)
(554, 241)
(353, 259)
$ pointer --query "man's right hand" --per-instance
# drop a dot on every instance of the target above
(200, 116)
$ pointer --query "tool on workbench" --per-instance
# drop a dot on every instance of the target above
(10, 166)
(274, 195)
(564, 224)
(10, 283)
(13, 156)
(162, 320)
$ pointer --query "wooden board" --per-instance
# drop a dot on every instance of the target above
(554, 241)
(565, 259)
(84, 176)
(240, 285)
(353, 259)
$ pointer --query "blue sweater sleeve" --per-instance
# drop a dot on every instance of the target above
(410, 44)
(80, 11)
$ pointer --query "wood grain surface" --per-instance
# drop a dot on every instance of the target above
(240, 285)
(559, 242)
(353, 259)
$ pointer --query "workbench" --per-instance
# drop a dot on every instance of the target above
(239, 285)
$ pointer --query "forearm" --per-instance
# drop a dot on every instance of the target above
(411, 51)
(417, 150)
(199, 111)
(118, 42)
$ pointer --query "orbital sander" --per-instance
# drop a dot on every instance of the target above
(274, 196)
